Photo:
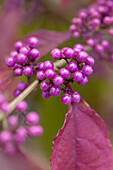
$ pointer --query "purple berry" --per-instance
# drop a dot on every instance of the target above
(21, 58)
(56, 54)
(69, 53)
(33, 42)
(20, 136)
(28, 71)
(76, 97)
(32, 118)
(76, 34)
(41, 66)
(66, 99)
(107, 20)
(84, 81)
(17, 92)
(110, 32)
(50, 74)
(46, 94)
(14, 54)
(105, 43)
(12, 121)
(87, 70)
(25, 51)
(22, 106)
(5, 107)
(34, 53)
(21, 86)
(18, 45)
(54, 91)
(79, 46)
(10, 61)
(5, 136)
(48, 65)
(72, 66)
(18, 72)
(35, 131)
(41, 75)
(77, 76)
(89, 61)
(82, 56)
(64, 72)
(91, 42)
(44, 85)
(63, 49)
(76, 21)
(58, 80)
(72, 28)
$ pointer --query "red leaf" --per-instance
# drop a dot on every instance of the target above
(83, 142)
(49, 39)
(18, 161)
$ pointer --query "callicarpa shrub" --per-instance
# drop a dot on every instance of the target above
(83, 141)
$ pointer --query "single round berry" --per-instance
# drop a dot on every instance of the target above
(76, 97)
(41, 75)
(82, 56)
(76, 21)
(89, 61)
(46, 94)
(54, 91)
(99, 48)
(107, 20)
(79, 46)
(28, 71)
(64, 72)
(69, 53)
(56, 54)
(105, 43)
(41, 66)
(73, 28)
(21, 58)
(20, 136)
(10, 61)
(48, 65)
(16, 66)
(18, 72)
(18, 45)
(63, 49)
(77, 76)
(5, 136)
(25, 51)
(17, 92)
(5, 107)
(12, 121)
(84, 81)
(77, 50)
(33, 42)
(14, 54)
(76, 34)
(110, 32)
(34, 53)
(66, 99)
(58, 80)
(87, 70)
(21, 106)
(35, 131)
(21, 86)
(72, 66)
(44, 85)
(32, 118)
(91, 42)
(50, 74)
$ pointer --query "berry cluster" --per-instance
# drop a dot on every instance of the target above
(19, 126)
(23, 59)
(20, 87)
(77, 69)
(95, 25)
